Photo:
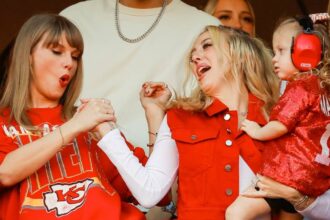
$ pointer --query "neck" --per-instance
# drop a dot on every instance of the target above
(42, 103)
(143, 4)
(233, 98)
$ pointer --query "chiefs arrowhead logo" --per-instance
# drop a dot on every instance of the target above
(66, 197)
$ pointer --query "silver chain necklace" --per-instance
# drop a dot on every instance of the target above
(135, 40)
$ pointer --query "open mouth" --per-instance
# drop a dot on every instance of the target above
(64, 80)
(201, 70)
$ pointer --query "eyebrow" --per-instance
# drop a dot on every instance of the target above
(203, 41)
(230, 11)
(227, 11)
(246, 12)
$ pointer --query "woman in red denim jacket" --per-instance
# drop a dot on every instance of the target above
(199, 138)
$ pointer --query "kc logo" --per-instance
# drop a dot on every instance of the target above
(324, 157)
(66, 197)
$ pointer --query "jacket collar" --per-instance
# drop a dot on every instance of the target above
(254, 109)
(216, 107)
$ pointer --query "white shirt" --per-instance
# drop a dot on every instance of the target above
(116, 70)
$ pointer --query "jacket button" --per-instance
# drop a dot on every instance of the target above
(226, 116)
(193, 137)
(228, 131)
(229, 143)
(228, 168)
(229, 192)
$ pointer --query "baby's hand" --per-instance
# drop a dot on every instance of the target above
(251, 128)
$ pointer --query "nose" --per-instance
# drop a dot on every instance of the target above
(196, 56)
(274, 59)
(236, 23)
(68, 61)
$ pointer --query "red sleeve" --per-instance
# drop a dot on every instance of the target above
(293, 104)
(7, 143)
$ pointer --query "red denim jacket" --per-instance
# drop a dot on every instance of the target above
(209, 144)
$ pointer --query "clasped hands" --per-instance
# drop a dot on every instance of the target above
(98, 116)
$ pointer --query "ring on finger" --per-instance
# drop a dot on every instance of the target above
(256, 187)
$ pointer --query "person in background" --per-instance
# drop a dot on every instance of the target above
(233, 13)
(298, 127)
(46, 152)
(129, 42)
(199, 138)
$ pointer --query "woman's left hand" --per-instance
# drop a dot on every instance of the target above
(269, 188)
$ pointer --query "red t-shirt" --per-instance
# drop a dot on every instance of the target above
(74, 184)
(300, 158)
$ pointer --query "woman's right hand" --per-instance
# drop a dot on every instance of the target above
(91, 113)
(154, 95)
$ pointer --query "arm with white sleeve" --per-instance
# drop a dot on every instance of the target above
(151, 182)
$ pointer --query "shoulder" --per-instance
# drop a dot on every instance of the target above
(308, 85)
(191, 14)
(178, 114)
(4, 115)
(180, 117)
(82, 8)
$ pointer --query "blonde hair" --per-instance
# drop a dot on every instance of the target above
(255, 72)
(211, 5)
(16, 93)
(323, 69)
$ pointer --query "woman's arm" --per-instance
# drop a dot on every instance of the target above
(151, 182)
(22, 162)
(312, 208)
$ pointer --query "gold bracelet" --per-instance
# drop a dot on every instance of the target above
(297, 205)
(155, 134)
(59, 129)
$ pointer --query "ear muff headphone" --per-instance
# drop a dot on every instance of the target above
(307, 47)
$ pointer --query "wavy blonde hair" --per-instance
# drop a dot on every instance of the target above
(16, 93)
(250, 64)
(210, 9)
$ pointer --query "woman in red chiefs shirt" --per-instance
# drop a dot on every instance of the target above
(50, 167)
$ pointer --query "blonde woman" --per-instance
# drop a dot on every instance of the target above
(199, 138)
(233, 13)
